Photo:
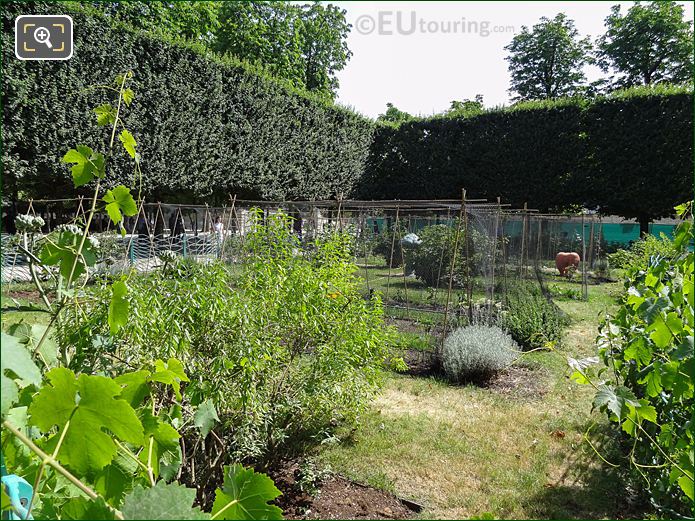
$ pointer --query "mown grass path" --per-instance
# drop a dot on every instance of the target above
(465, 450)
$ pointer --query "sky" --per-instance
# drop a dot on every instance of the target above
(422, 55)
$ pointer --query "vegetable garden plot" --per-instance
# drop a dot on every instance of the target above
(436, 264)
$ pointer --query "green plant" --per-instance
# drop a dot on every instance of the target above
(645, 384)
(285, 346)
(531, 319)
(477, 351)
(643, 252)
(104, 448)
(432, 258)
(100, 445)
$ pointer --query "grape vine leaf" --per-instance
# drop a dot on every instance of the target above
(17, 360)
(83, 508)
(63, 251)
(118, 200)
(245, 495)
(31, 335)
(87, 164)
(170, 373)
(128, 142)
(205, 417)
(119, 307)
(135, 386)
(128, 96)
(616, 399)
(162, 501)
(91, 404)
(111, 483)
(105, 114)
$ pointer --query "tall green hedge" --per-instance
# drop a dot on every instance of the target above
(640, 161)
(206, 127)
(629, 153)
(521, 154)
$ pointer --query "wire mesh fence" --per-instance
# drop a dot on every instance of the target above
(435, 264)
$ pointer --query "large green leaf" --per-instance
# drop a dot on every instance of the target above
(205, 417)
(162, 501)
(119, 307)
(615, 399)
(245, 495)
(31, 335)
(61, 249)
(91, 404)
(87, 164)
(15, 362)
(119, 200)
(128, 142)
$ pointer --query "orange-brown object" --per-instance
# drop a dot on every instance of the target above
(564, 260)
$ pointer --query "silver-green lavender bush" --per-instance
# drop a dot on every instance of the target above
(477, 351)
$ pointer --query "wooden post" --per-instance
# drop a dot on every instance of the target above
(393, 245)
(494, 254)
(453, 265)
(585, 289)
(522, 268)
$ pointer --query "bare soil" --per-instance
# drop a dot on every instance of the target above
(335, 498)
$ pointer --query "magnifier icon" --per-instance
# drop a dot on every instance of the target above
(43, 35)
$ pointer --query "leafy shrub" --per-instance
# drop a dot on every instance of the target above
(384, 243)
(531, 319)
(643, 252)
(285, 347)
(646, 383)
(477, 351)
(431, 259)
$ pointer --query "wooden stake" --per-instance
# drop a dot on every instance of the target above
(453, 265)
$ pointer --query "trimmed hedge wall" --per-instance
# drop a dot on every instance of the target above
(629, 154)
(205, 127)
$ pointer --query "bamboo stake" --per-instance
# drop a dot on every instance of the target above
(453, 265)
(393, 245)
(585, 288)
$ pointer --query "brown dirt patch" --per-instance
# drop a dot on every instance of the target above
(519, 381)
(32, 295)
(336, 498)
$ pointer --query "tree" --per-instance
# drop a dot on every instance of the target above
(305, 44)
(546, 62)
(188, 20)
(324, 32)
(651, 43)
(466, 107)
(394, 115)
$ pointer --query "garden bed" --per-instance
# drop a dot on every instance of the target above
(336, 498)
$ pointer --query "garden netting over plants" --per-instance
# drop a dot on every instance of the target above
(436, 264)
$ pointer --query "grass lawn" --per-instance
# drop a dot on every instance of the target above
(462, 451)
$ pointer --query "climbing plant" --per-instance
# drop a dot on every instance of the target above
(645, 383)
(100, 446)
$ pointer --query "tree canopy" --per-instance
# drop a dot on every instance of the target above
(305, 44)
(651, 43)
(546, 62)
